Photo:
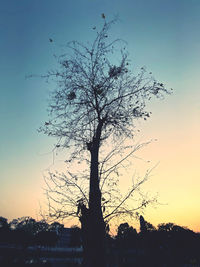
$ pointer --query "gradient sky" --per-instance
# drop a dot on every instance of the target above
(163, 35)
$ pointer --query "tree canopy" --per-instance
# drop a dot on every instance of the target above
(92, 112)
(97, 101)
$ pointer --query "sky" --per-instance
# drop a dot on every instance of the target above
(162, 35)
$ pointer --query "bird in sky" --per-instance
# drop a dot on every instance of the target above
(50, 40)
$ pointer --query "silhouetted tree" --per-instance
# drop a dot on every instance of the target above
(146, 226)
(92, 114)
(23, 230)
(26, 224)
(56, 227)
(4, 230)
(180, 243)
(3, 223)
(166, 227)
(126, 236)
(143, 227)
(27, 231)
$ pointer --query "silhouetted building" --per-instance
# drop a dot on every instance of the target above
(64, 238)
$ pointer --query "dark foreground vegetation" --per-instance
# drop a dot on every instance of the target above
(26, 242)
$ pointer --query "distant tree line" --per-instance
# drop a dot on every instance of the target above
(164, 235)
(27, 231)
(167, 243)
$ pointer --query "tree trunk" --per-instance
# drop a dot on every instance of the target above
(93, 224)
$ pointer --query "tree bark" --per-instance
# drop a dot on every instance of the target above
(93, 224)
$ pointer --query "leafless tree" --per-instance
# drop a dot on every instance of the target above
(93, 113)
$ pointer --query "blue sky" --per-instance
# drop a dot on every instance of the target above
(162, 35)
